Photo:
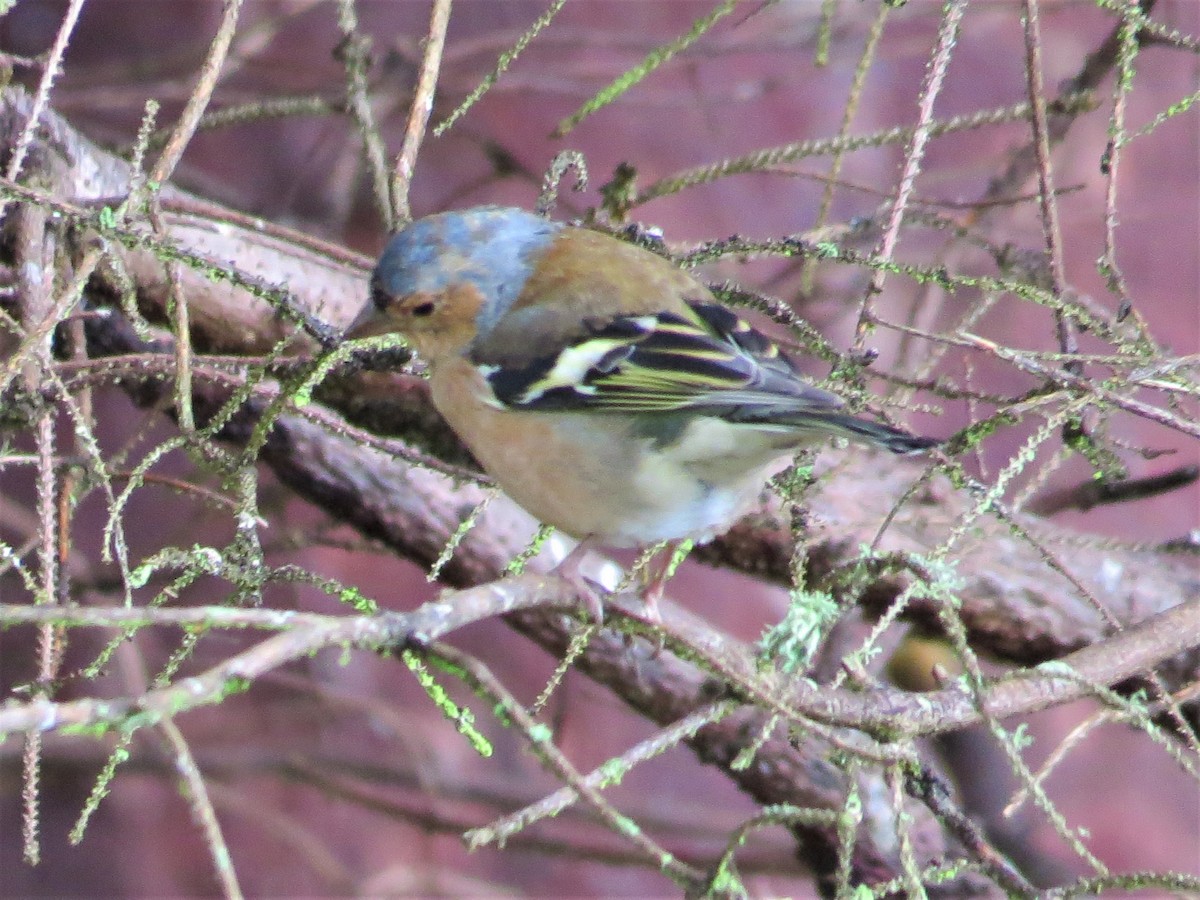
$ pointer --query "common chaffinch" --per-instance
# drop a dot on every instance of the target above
(602, 387)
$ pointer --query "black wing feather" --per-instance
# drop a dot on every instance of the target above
(711, 361)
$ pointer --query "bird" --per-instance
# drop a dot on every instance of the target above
(605, 389)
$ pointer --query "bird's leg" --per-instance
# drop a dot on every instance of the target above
(568, 569)
(658, 571)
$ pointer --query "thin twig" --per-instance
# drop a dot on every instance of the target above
(1092, 493)
(933, 792)
(683, 874)
(354, 54)
(189, 119)
(506, 827)
(50, 70)
(419, 112)
(202, 810)
(874, 35)
(940, 61)
(1110, 163)
(35, 285)
(1047, 203)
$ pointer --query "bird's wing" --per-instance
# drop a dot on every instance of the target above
(704, 359)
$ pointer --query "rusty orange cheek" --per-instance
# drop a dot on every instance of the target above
(449, 328)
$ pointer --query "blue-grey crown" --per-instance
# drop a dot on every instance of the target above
(493, 247)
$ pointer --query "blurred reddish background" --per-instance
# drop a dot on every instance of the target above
(280, 756)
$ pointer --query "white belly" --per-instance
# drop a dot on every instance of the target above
(697, 487)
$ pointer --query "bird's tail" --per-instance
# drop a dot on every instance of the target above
(862, 430)
(894, 439)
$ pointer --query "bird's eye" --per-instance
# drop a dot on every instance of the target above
(421, 310)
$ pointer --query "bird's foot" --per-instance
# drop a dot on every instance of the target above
(568, 569)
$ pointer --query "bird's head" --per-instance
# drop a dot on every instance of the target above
(447, 278)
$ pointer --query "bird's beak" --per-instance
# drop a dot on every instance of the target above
(368, 323)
